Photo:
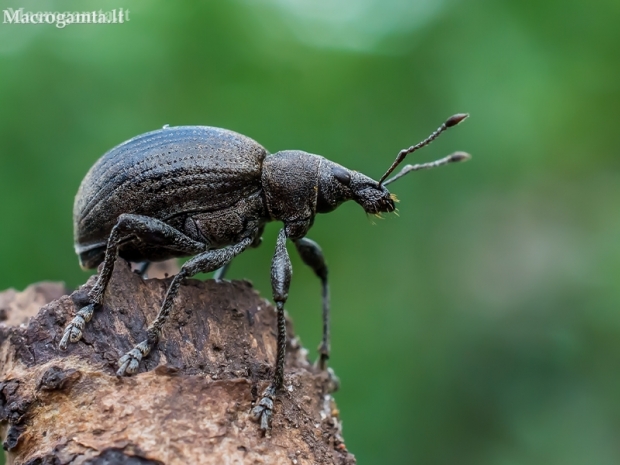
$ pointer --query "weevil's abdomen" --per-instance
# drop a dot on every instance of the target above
(163, 174)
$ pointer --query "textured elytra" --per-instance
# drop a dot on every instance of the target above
(166, 174)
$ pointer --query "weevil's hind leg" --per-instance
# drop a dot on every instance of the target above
(281, 272)
(202, 263)
(128, 228)
(311, 254)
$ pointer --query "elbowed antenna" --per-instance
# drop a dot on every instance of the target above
(454, 158)
(452, 121)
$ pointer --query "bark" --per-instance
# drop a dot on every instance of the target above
(190, 401)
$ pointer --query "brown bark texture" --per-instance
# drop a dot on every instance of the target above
(191, 399)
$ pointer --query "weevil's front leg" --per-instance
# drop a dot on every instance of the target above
(311, 254)
(128, 228)
(203, 263)
(281, 271)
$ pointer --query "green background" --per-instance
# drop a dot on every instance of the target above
(482, 326)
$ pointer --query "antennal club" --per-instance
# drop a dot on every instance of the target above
(450, 122)
(454, 158)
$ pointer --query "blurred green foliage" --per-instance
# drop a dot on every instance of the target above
(482, 326)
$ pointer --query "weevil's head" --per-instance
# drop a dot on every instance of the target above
(338, 184)
(292, 189)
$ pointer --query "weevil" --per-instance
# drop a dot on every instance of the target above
(207, 193)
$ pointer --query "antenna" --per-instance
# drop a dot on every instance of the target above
(454, 158)
(452, 121)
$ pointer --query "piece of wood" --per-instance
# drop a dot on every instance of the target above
(190, 401)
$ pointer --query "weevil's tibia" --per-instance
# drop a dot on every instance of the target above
(281, 271)
(73, 331)
(311, 254)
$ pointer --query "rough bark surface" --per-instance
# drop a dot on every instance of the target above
(190, 401)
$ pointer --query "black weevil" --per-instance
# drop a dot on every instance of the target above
(207, 192)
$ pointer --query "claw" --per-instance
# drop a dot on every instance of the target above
(263, 412)
(264, 409)
(123, 363)
(128, 363)
(73, 331)
(64, 342)
(265, 420)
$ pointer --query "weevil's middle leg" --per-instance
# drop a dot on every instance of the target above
(202, 263)
(311, 254)
(128, 228)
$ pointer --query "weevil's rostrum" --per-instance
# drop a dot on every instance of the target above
(208, 193)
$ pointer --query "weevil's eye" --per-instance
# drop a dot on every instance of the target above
(341, 175)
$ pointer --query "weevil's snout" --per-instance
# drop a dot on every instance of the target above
(338, 184)
(371, 196)
(387, 202)
(376, 199)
